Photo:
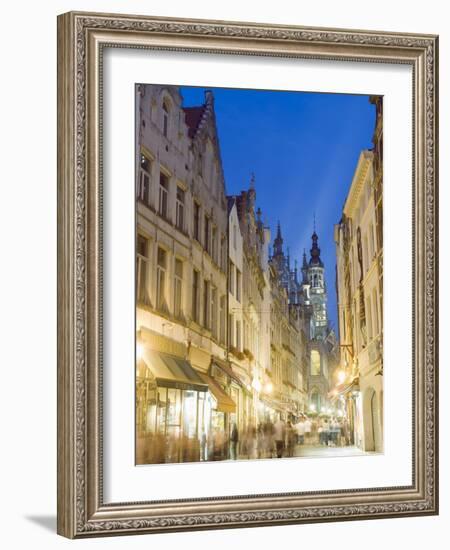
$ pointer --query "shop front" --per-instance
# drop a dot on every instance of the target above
(173, 413)
(223, 411)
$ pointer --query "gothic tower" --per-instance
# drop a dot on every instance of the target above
(315, 272)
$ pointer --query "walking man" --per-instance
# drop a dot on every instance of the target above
(279, 436)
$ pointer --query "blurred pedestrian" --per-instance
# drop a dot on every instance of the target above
(234, 440)
(291, 438)
(279, 436)
(300, 429)
(308, 428)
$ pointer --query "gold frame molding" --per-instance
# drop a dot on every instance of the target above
(81, 39)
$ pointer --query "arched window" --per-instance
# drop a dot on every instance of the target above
(165, 117)
(315, 401)
(315, 363)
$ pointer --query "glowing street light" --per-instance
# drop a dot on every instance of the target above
(139, 351)
(256, 384)
(341, 376)
(268, 388)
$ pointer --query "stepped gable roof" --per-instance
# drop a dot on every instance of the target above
(193, 116)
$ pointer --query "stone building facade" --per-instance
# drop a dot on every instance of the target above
(226, 332)
(181, 266)
(359, 252)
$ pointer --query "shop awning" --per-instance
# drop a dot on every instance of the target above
(224, 402)
(342, 389)
(227, 369)
(173, 372)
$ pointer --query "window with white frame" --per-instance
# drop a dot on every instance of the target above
(144, 180)
(163, 194)
(180, 205)
(161, 269)
(142, 269)
(178, 288)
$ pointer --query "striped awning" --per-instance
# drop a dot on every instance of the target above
(171, 371)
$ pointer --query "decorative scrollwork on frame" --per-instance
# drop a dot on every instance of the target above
(307, 513)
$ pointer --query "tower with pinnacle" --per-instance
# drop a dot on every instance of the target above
(314, 275)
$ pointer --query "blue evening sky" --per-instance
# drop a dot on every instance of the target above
(303, 149)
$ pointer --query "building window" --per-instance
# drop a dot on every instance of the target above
(180, 208)
(144, 180)
(178, 288)
(207, 235)
(238, 335)
(231, 276)
(214, 243)
(223, 253)
(195, 295)
(200, 164)
(315, 401)
(196, 221)
(142, 269)
(238, 285)
(372, 240)
(161, 278)
(369, 318)
(165, 118)
(222, 319)
(206, 304)
(231, 329)
(213, 316)
(366, 258)
(315, 363)
(376, 324)
(163, 194)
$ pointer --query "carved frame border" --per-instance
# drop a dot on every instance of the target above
(81, 38)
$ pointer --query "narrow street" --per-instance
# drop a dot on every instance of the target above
(320, 451)
(311, 451)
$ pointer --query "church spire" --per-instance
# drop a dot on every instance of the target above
(278, 242)
(315, 250)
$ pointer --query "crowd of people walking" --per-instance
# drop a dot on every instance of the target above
(280, 438)
(274, 437)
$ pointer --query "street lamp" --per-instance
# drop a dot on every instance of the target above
(341, 376)
(268, 388)
(256, 384)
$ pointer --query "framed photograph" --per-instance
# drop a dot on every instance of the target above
(247, 282)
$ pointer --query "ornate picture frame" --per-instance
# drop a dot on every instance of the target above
(82, 511)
